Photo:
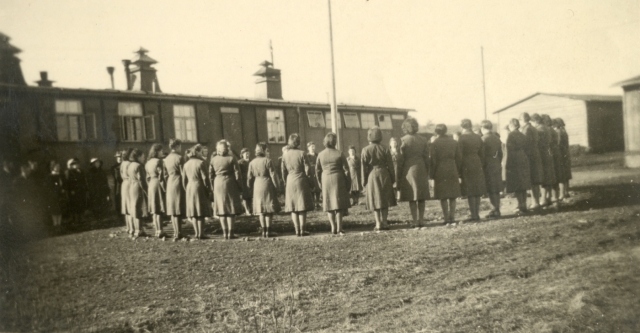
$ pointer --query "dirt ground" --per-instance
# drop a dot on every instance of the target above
(575, 270)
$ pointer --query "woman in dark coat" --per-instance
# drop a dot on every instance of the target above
(117, 182)
(137, 200)
(565, 161)
(378, 177)
(332, 172)
(354, 172)
(226, 181)
(155, 181)
(492, 166)
(473, 182)
(518, 174)
(175, 200)
(413, 170)
(247, 188)
(262, 175)
(557, 160)
(99, 193)
(546, 156)
(124, 190)
(54, 193)
(76, 188)
(196, 182)
(533, 155)
(298, 196)
(312, 157)
(446, 160)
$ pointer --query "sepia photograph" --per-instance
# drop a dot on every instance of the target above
(281, 166)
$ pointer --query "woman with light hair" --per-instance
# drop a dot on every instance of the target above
(262, 175)
(378, 177)
(332, 173)
(354, 172)
(413, 173)
(175, 200)
(226, 179)
(156, 186)
(298, 196)
(196, 183)
(137, 200)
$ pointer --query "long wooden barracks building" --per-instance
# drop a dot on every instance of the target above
(60, 123)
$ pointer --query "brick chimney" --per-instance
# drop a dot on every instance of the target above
(10, 70)
(269, 83)
(148, 77)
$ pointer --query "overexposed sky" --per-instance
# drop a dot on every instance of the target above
(416, 54)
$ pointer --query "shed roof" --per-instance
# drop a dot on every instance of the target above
(582, 97)
(628, 82)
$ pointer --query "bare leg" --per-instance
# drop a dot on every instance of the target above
(136, 226)
(302, 218)
(421, 205)
(472, 205)
(477, 207)
(444, 203)
(230, 220)
(267, 222)
(561, 191)
(175, 223)
(332, 221)
(294, 218)
(543, 195)
(383, 214)
(377, 217)
(339, 221)
(495, 202)
(452, 210)
(413, 207)
(223, 225)
(535, 191)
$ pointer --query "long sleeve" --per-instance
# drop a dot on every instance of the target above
(425, 156)
(393, 171)
(318, 173)
(250, 175)
(205, 177)
(237, 172)
(459, 159)
(481, 151)
(364, 167)
(272, 173)
(345, 169)
(285, 173)
(212, 173)
(433, 161)
(184, 177)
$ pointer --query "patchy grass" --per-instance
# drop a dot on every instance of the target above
(577, 270)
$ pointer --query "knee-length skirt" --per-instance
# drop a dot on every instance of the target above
(156, 197)
(298, 197)
(265, 196)
(227, 196)
(335, 194)
(379, 190)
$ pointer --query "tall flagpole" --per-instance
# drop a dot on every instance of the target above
(334, 105)
(484, 91)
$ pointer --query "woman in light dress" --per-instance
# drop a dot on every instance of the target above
(332, 173)
(156, 186)
(264, 178)
(226, 179)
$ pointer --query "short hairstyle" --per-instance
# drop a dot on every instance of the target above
(410, 126)
(285, 148)
(156, 148)
(244, 150)
(546, 119)
(294, 141)
(441, 129)
(175, 143)
(558, 122)
(466, 124)
(486, 124)
(525, 116)
(135, 155)
(330, 140)
(261, 149)
(374, 134)
(352, 147)
(310, 143)
(225, 143)
(198, 148)
(536, 118)
(515, 123)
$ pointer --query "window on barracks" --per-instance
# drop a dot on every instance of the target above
(328, 122)
(351, 120)
(275, 126)
(316, 119)
(368, 120)
(384, 121)
(184, 120)
(72, 124)
(134, 125)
